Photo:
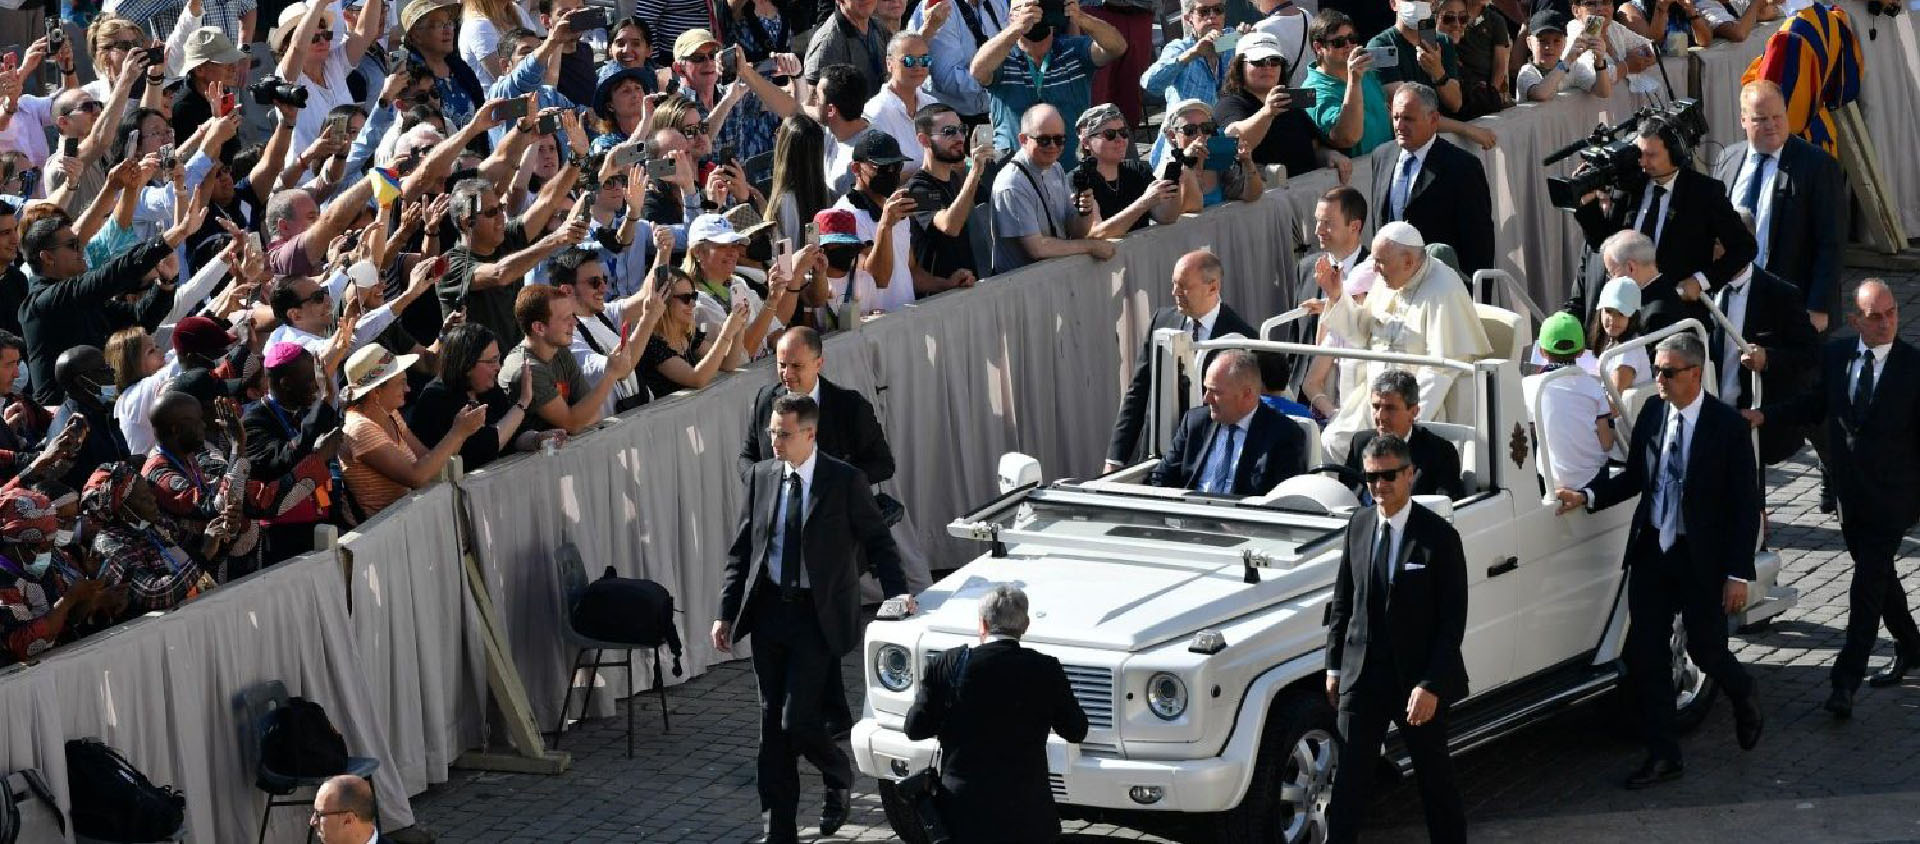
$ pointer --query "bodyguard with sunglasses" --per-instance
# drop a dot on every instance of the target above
(1394, 630)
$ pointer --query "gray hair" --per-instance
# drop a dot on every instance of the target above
(467, 194)
(1628, 246)
(1187, 6)
(899, 40)
(1685, 346)
(1093, 118)
(1427, 96)
(1240, 367)
(1386, 446)
(1182, 107)
(1398, 382)
(280, 209)
(1004, 611)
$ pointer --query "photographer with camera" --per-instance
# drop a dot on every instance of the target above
(311, 58)
(1683, 211)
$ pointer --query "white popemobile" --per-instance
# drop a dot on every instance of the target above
(1193, 627)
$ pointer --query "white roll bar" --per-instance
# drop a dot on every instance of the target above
(1513, 289)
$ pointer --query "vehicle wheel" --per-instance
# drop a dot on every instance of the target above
(1292, 777)
(900, 816)
(1693, 690)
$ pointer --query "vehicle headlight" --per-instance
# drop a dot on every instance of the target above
(893, 667)
(1166, 695)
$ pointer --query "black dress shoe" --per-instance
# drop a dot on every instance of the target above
(834, 813)
(1826, 501)
(1890, 675)
(1748, 721)
(1655, 771)
(1840, 703)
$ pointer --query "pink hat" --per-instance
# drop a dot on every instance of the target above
(282, 353)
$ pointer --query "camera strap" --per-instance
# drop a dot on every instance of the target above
(1053, 230)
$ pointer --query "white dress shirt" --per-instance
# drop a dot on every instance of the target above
(1419, 156)
(1207, 321)
(1879, 365)
(1398, 522)
(774, 540)
(1646, 200)
(1733, 302)
(1768, 172)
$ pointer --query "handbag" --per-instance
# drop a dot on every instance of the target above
(922, 789)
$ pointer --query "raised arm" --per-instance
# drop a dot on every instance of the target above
(373, 18)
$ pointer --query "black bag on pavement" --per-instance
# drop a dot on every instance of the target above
(113, 801)
(922, 789)
(300, 742)
(628, 609)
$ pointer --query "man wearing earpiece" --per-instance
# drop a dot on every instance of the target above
(1685, 212)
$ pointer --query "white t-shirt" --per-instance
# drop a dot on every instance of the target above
(1569, 407)
(1622, 41)
(1641, 363)
(27, 132)
(321, 98)
(479, 40)
(899, 290)
(888, 114)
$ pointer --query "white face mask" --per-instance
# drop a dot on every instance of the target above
(1414, 11)
(41, 562)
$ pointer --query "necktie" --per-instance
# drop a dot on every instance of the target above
(1863, 388)
(1195, 327)
(1402, 185)
(1220, 464)
(1672, 472)
(1383, 553)
(1650, 225)
(790, 540)
(1750, 200)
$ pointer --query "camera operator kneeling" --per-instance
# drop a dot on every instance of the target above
(992, 706)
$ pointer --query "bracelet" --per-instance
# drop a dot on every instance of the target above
(520, 407)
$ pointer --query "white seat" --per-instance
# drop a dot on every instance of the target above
(1466, 440)
(1312, 430)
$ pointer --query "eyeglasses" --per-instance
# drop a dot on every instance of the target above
(694, 130)
(949, 131)
(1109, 134)
(1384, 475)
(614, 182)
(1270, 61)
(1338, 41)
(778, 434)
(318, 297)
(72, 243)
(1672, 371)
(916, 61)
(492, 361)
(1049, 140)
(1192, 129)
(318, 815)
(699, 58)
(1209, 11)
(684, 298)
(1456, 18)
(491, 212)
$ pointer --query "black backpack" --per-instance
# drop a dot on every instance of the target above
(300, 742)
(628, 609)
(113, 801)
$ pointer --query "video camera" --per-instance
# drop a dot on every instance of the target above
(1610, 158)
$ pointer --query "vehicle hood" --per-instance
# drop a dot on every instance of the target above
(1113, 604)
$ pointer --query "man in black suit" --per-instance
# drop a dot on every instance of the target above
(1197, 309)
(1433, 185)
(1768, 314)
(793, 577)
(993, 739)
(1396, 405)
(1689, 547)
(1339, 226)
(1869, 398)
(1398, 616)
(1236, 445)
(1684, 212)
(1664, 299)
(1796, 194)
(849, 430)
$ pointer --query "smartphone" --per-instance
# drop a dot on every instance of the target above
(1384, 55)
(133, 142)
(1175, 163)
(728, 58)
(513, 109)
(662, 280)
(1301, 97)
(1227, 40)
(167, 159)
(398, 60)
(227, 104)
(70, 147)
(440, 265)
(1428, 31)
(725, 155)
(660, 168)
(813, 233)
(336, 126)
(982, 136)
(626, 155)
(549, 124)
(783, 256)
(1222, 150)
(589, 20)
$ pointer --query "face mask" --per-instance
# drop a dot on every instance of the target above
(39, 565)
(884, 182)
(841, 260)
(1413, 12)
(108, 392)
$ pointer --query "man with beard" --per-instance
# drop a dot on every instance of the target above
(943, 196)
(1049, 66)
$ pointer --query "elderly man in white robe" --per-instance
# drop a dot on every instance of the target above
(1419, 307)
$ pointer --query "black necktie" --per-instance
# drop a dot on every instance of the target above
(1863, 388)
(1383, 556)
(790, 540)
(1196, 329)
(1651, 223)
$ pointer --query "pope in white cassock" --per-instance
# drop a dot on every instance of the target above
(1420, 307)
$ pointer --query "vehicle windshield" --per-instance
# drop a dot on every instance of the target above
(1080, 520)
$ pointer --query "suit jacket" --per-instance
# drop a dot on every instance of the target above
(1449, 202)
(1874, 465)
(1274, 451)
(1660, 303)
(1803, 237)
(849, 431)
(1719, 503)
(993, 739)
(1427, 605)
(839, 517)
(1698, 216)
(1776, 321)
(1436, 462)
(1134, 406)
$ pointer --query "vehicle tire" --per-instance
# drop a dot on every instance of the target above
(1693, 690)
(1292, 777)
(900, 816)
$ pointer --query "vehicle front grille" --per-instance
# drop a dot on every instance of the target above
(1092, 687)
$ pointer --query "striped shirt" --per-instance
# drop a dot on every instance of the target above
(669, 18)
(1064, 77)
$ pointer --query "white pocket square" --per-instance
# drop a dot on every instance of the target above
(1414, 566)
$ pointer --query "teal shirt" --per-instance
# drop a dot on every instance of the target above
(1330, 99)
(1065, 79)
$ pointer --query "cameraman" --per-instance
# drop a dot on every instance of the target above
(1683, 211)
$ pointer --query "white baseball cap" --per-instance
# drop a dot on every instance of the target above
(1259, 45)
(713, 228)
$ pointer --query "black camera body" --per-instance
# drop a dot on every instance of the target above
(1610, 160)
(272, 90)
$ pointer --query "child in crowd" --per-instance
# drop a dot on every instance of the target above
(1614, 323)
(1573, 419)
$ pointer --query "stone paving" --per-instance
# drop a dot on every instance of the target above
(695, 784)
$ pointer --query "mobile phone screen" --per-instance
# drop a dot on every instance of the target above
(813, 234)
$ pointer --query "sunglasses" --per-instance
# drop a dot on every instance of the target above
(87, 107)
(614, 182)
(949, 131)
(1209, 11)
(1109, 134)
(318, 297)
(1338, 41)
(694, 130)
(322, 36)
(1384, 475)
(1453, 18)
(1049, 140)
(1192, 129)
(1270, 61)
(699, 58)
(1671, 371)
(916, 61)
(684, 298)
(491, 212)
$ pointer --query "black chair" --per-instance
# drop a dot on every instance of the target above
(253, 706)
(573, 582)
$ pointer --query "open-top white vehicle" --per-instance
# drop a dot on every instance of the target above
(1193, 627)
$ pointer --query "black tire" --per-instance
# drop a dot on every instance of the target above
(1300, 725)
(900, 816)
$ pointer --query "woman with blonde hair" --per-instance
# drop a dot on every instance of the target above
(481, 24)
(134, 356)
(109, 38)
(679, 355)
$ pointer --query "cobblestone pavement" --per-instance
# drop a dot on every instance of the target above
(696, 783)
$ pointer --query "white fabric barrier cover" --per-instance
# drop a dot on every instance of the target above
(161, 690)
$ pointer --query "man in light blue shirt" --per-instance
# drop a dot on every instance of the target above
(968, 27)
(1193, 67)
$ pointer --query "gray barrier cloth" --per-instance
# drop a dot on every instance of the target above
(161, 691)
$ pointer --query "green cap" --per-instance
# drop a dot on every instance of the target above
(1561, 335)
